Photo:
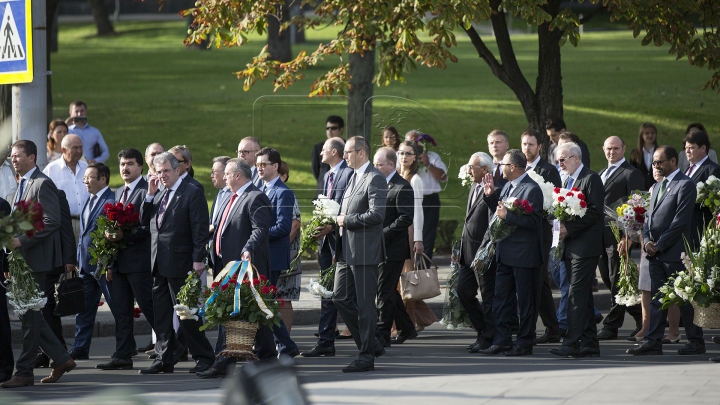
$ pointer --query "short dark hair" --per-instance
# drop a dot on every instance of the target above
(272, 154)
(532, 133)
(132, 153)
(284, 168)
(28, 147)
(694, 127)
(337, 144)
(570, 137)
(361, 143)
(669, 152)
(102, 169)
(334, 119)
(516, 157)
(78, 103)
(221, 159)
(699, 138)
(555, 123)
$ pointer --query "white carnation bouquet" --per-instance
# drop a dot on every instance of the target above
(325, 213)
(23, 292)
(465, 177)
(323, 286)
(708, 192)
(189, 297)
(547, 190)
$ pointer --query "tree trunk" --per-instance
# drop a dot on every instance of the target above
(362, 70)
(279, 46)
(297, 36)
(100, 15)
(548, 88)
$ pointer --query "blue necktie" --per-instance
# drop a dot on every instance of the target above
(570, 183)
(20, 191)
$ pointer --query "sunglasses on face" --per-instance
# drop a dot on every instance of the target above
(564, 159)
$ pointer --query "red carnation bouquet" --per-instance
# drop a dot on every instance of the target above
(116, 218)
(499, 230)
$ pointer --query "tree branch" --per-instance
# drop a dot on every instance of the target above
(484, 52)
(590, 15)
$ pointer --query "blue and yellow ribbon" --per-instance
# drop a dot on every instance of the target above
(243, 269)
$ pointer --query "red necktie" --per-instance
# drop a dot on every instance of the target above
(124, 196)
(498, 175)
(690, 170)
(218, 232)
(330, 184)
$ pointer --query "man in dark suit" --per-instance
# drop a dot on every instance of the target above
(131, 274)
(668, 224)
(474, 237)
(531, 143)
(281, 205)
(96, 180)
(555, 127)
(334, 127)
(38, 253)
(336, 179)
(184, 158)
(581, 254)
(358, 252)
(7, 360)
(519, 256)
(697, 145)
(619, 179)
(247, 149)
(242, 234)
(178, 221)
(399, 211)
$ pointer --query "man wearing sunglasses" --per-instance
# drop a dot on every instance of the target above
(334, 128)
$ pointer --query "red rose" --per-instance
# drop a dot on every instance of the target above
(246, 281)
(639, 210)
(581, 196)
(273, 289)
(113, 216)
(583, 204)
(30, 233)
(108, 208)
(215, 284)
(561, 199)
(281, 301)
(137, 312)
(265, 290)
(516, 203)
(640, 218)
(224, 287)
(574, 189)
(263, 278)
(101, 303)
(129, 208)
(136, 217)
(556, 190)
(22, 206)
(570, 195)
(256, 281)
(119, 205)
(38, 225)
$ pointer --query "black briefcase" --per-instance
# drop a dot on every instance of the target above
(69, 295)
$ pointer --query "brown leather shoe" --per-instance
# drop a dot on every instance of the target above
(58, 372)
(16, 382)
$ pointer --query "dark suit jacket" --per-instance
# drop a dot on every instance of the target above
(5, 210)
(477, 219)
(340, 182)
(585, 234)
(182, 237)
(585, 153)
(38, 250)
(282, 200)
(548, 172)
(399, 211)
(668, 222)
(191, 180)
(86, 228)
(523, 248)
(247, 229)
(135, 258)
(702, 215)
(67, 236)
(319, 168)
(647, 173)
(622, 182)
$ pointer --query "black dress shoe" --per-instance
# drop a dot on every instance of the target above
(692, 347)
(400, 339)
(645, 350)
(589, 352)
(211, 373)
(292, 353)
(318, 351)
(480, 344)
(714, 360)
(495, 349)
(547, 338)
(116, 364)
(519, 351)
(78, 356)
(42, 361)
(358, 366)
(716, 339)
(200, 367)
(158, 368)
(565, 351)
(150, 346)
(607, 334)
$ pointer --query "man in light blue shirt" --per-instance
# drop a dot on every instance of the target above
(91, 137)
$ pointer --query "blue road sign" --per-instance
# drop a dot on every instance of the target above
(15, 42)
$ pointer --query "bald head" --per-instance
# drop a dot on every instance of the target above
(71, 139)
(614, 149)
(72, 149)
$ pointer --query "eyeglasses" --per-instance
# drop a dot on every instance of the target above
(564, 159)
(182, 161)
(504, 164)
(405, 154)
(212, 172)
(347, 152)
(86, 178)
(246, 152)
(262, 164)
(659, 162)
(332, 128)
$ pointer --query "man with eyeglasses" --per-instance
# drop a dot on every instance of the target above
(334, 127)
(581, 253)
(151, 151)
(247, 150)
(96, 180)
(668, 224)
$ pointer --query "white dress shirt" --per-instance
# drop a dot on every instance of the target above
(430, 183)
(71, 183)
(531, 165)
(648, 157)
(130, 187)
(696, 167)
(91, 205)
(607, 173)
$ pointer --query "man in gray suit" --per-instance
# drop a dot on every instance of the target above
(38, 251)
(668, 224)
(359, 250)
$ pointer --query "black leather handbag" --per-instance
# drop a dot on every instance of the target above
(69, 295)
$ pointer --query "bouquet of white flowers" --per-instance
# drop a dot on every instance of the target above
(325, 212)
(629, 294)
(465, 177)
(568, 205)
(547, 190)
(323, 286)
(189, 297)
(23, 293)
(708, 194)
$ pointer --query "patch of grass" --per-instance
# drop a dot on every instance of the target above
(143, 86)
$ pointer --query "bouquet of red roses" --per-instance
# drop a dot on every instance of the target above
(116, 218)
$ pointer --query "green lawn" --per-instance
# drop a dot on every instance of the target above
(143, 86)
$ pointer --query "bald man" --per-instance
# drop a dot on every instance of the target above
(67, 174)
(619, 179)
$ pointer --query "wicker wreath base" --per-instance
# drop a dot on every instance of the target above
(239, 338)
(707, 317)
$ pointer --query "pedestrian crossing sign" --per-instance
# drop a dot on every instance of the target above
(15, 42)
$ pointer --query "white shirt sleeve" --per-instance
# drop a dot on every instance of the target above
(436, 161)
(418, 218)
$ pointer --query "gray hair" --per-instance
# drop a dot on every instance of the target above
(239, 165)
(166, 157)
(221, 159)
(484, 160)
(516, 157)
(184, 152)
(389, 154)
(570, 147)
(415, 134)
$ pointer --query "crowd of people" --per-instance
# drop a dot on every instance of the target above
(393, 192)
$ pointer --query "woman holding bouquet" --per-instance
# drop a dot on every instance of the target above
(408, 152)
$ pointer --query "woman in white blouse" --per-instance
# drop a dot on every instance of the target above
(419, 312)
